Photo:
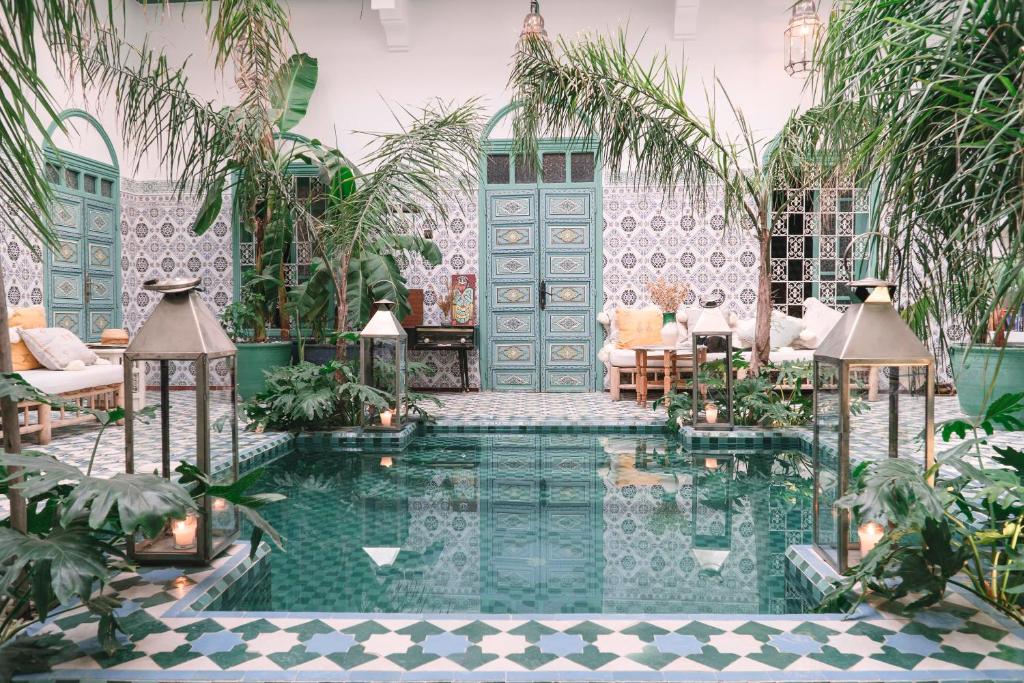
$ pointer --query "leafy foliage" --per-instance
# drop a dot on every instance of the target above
(963, 531)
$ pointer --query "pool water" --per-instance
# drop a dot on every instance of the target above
(517, 523)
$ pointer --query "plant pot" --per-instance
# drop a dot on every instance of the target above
(669, 329)
(320, 354)
(254, 358)
(974, 378)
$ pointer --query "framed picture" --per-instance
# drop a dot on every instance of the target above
(464, 299)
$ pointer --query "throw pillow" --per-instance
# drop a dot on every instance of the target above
(784, 330)
(819, 318)
(638, 326)
(32, 317)
(743, 333)
(56, 347)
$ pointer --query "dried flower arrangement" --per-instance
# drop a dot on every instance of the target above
(446, 302)
(668, 296)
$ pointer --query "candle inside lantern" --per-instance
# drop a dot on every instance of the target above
(386, 461)
(184, 531)
(385, 417)
(711, 413)
(711, 463)
(219, 505)
(869, 533)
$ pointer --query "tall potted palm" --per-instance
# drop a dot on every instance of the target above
(597, 87)
(938, 86)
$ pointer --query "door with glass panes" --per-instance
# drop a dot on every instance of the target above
(540, 265)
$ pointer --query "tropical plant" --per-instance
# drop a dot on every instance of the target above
(965, 531)
(77, 525)
(637, 113)
(242, 319)
(936, 88)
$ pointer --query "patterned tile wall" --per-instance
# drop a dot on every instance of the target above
(23, 271)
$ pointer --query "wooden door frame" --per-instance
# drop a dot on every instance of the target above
(83, 164)
(507, 146)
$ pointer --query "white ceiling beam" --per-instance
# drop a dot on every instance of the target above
(685, 25)
(394, 19)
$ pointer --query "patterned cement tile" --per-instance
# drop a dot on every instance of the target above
(167, 639)
(501, 410)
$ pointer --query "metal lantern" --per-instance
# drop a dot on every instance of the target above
(533, 24)
(801, 37)
(383, 345)
(870, 362)
(182, 328)
(712, 370)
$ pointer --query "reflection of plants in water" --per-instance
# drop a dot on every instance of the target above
(310, 483)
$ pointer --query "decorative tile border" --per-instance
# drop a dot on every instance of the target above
(357, 439)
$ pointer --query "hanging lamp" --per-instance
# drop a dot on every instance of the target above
(533, 24)
(801, 37)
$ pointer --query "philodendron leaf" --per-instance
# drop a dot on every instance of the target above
(42, 472)
(1011, 457)
(143, 501)
(74, 556)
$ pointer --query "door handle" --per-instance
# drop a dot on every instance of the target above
(88, 288)
(543, 292)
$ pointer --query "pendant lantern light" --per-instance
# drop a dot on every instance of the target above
(801, 37)
(533, 24)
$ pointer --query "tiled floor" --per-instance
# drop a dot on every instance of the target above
(515, 409)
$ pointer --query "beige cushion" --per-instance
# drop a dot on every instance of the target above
(785, 330)
(626, 358)
(819, 319)
(59, 382)
(32, 317)
(56, 347)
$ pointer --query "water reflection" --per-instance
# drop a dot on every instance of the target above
(537, 523)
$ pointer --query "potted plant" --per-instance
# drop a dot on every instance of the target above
(243, 322)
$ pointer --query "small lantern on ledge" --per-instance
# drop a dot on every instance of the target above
(383, 346)
(712, 369)
(869, 343)
(182, 328)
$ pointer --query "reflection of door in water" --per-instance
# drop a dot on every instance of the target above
(541, 263)
(82, 277)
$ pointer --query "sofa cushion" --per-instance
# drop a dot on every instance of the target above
(638, 326)
(56, 347)
(59, 382)
(784, 330)
(29, 318)
(819, 319)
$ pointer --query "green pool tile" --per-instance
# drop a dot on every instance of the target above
(699, 630)
(139, 624)
(817, 631)
(237, 655)
(987, 632)
(591, 657)
(156, 600)
(653, 657)
(362, 631)
(833, 657)
(251, 629)
(475, 631)
(904, 660)
(412, 658)
(356, 656)
(772, 657)
(968, 660)
(76, 619)
(711, 657)
(756, 630)
(419, 630)
(294, 657)
(179, 655)
(473, 658)
(875, 633)
(308, 629)
(532, 631)
(531, 658)
(198, 628)
(1009, 654)
(645, 631)
(126, 653)
(588, 630)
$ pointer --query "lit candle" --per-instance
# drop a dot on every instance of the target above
(386, 461)
(711, 463)
(711, 413)
(184, 531)
(869, 533)
(219, 505)
(385, 417)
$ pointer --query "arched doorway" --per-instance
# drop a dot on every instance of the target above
(82, 276)
(540, 265)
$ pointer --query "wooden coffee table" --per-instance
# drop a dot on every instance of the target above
(670, 358)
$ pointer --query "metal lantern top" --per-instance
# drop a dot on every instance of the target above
(181, 327)
(533, 24)
(383, 323)
(872, 332)
(711, 322)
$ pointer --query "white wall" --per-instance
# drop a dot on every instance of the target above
(463, 48)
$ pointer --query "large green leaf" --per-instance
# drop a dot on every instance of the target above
(143, 501)
(74, 557)
(210, 208)
(292, 89)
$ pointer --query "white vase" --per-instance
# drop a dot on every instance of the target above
(670, 332)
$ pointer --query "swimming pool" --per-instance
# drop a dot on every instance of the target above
(536, 523)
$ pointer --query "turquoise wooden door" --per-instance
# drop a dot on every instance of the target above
(540, 265)
(83, 272)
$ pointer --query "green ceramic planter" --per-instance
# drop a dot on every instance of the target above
(254, 358)
(974, 377)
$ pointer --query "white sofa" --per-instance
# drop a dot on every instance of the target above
(96, 386)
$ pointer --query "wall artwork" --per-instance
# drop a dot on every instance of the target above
(463, 290)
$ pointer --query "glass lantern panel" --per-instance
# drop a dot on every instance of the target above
(179, 538)
(827, 423)
(887, 406)
(713, 403)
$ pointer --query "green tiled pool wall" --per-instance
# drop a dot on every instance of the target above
(746, 438)
(568, 428)
(357, 440)
(247, 582)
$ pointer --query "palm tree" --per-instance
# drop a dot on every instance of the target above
(598, 88)
(938, 89)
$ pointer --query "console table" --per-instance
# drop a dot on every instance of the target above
(444, 338)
